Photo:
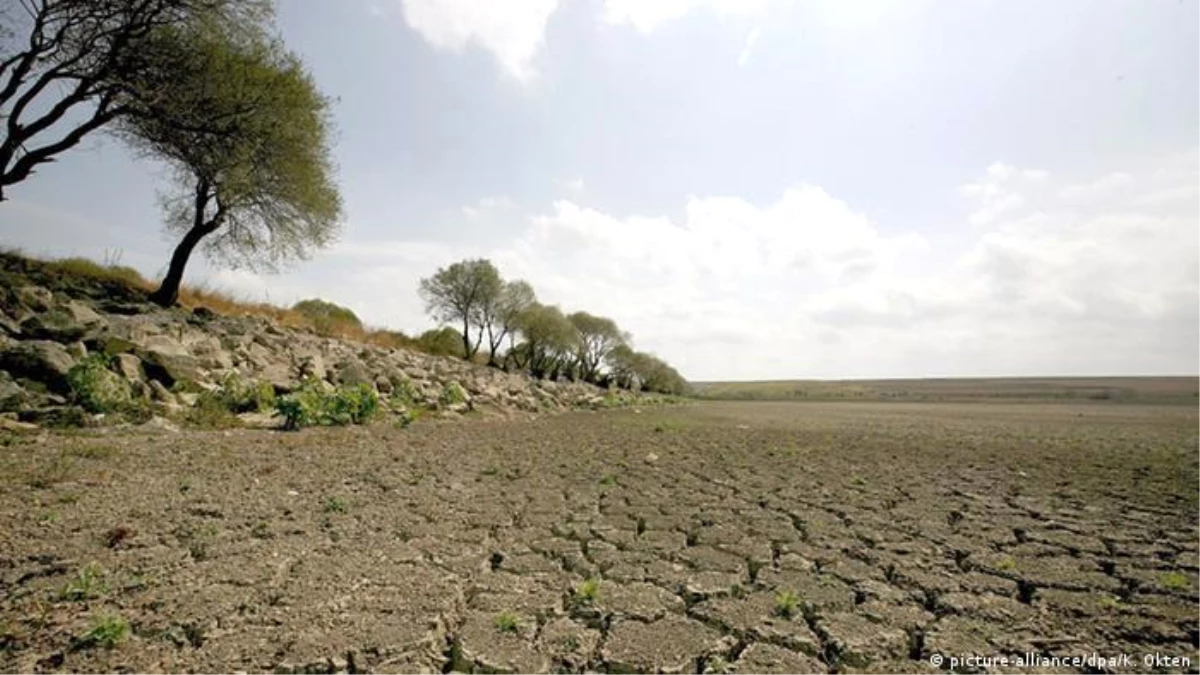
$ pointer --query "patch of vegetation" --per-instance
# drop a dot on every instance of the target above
(260, 530)
(329, 319)
(57, 470)
(210, 412)
(490, 470)
(87, 584)
(507, 622)
(452, 394)
(96, 388)
(315, 404)
(608, 479)
(335, 504)
(1176, 581)
(106, 632)
(717, 666)
(787, 604)
(242, 396)
(404, 393)
(198, 539)
(94, 451)
(83, 267)
(1006, 564)
(588, 591)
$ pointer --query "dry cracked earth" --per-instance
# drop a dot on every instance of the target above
(714, 537)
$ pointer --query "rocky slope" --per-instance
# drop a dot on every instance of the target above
(50, 322)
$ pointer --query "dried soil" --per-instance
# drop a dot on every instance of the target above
(900, 530)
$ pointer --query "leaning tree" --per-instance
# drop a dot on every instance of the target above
(247, 135)
(67, 68)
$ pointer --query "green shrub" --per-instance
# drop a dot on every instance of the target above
(87, 584)
(315, 404)
(786, 604)
(452, 394)
(240, 396)
(404, 392)
(211, 412)
(507, 622)
(105, 632)
(97, 388)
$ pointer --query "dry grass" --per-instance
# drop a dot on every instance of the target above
(218, 300)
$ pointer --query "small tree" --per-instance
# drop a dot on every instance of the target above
(501, 317)
(550, 341)
(247, 134)
(70, 67)
(598, 336)
(461, 293)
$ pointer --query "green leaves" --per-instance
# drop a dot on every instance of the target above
(316, 404)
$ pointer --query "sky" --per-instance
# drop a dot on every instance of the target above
(755, 189)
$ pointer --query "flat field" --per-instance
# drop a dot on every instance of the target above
(711, 537)
(1147, 390)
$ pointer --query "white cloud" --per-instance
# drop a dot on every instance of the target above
(646, 15)
(513, 31)
(748, 48)
(996, 192)
(573, 186)
(809, 286)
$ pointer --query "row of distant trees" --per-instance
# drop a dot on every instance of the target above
(502, 321)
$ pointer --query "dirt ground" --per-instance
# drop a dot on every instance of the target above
(714, 537)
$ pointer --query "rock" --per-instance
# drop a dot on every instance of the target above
(160, 393)
(34, 297)
(82, 313)
(56, 324)
(40, 360)
(384, 385)
(56, 416)
(312, 365)
(130, 366)
(9, 326)
(167, 359)
(162, 423)
(280, 376)
(12, 396)
(352, 372)
(7, 424)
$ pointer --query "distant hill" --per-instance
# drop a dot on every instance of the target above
(1179, 390)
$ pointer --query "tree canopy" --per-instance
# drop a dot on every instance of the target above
(465, 293)
(70, 67)
(328, 318)
(247, 134)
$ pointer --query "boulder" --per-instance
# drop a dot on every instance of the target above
(130, 366)
(35, 298)
(280, 376)
(12, 396)
(167, 359)
(352, 372)
(56, 324)
(8, 325)
(39, 360)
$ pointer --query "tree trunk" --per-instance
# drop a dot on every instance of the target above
(168, 291)
(466, 339)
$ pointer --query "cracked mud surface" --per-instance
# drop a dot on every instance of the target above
(725, 537)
